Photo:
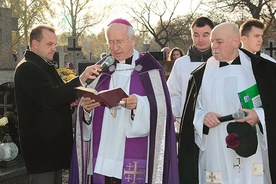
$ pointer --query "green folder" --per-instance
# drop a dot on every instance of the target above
(250, 98)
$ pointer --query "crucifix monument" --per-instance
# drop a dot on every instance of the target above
(73, 51)
(271, 49)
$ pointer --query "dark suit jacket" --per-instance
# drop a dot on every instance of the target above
(265, 75)
(45, 121)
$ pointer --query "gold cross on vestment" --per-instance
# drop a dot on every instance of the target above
(133, 172)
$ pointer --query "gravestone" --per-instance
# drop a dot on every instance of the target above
(7, 61)
(15, 173)
(20, 51)
(62, 54)
(7, 100)
(71, 53)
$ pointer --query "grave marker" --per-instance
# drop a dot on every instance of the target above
(7, 24)
(7, 61)
(73, 50)
(271, 49)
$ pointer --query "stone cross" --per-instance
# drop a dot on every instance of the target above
(5, 104)
(271, 49)
(6, 90)
(72, 42)
(73, 51)
(7, 25)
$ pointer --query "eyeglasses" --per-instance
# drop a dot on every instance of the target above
(119, 43)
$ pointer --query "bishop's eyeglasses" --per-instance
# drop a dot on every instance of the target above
(119, 43)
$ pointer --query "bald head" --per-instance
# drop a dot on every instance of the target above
(225, 41)
(228, 29)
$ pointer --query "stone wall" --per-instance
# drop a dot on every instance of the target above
(7, 61)
(7, 25)
(6, 76)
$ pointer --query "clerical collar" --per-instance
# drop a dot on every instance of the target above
(236, 61)
(127, 61)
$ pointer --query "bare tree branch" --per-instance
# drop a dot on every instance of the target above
(169, 27)
(79, 16)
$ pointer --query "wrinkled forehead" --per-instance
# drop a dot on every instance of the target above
(220, 32)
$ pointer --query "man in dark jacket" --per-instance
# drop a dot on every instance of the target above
(43, 104)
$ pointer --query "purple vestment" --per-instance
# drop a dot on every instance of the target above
(162, 159)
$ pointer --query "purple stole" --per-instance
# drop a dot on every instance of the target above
(135, 158)
(162, 158)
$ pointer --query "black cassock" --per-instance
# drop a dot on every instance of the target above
(265, 75)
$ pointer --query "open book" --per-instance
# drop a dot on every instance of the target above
(109, 98)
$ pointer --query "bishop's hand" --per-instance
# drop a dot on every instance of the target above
(130, 102)
(89, 104)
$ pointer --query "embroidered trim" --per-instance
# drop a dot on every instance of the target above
(124, 69)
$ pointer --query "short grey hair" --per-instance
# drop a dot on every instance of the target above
(130, 31)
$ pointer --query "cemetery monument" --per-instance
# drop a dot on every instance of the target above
(7, 61)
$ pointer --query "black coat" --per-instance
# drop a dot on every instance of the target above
(265, 75)
(44, 114)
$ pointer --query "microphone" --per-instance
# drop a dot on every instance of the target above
(237, 115)
(107, 62)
